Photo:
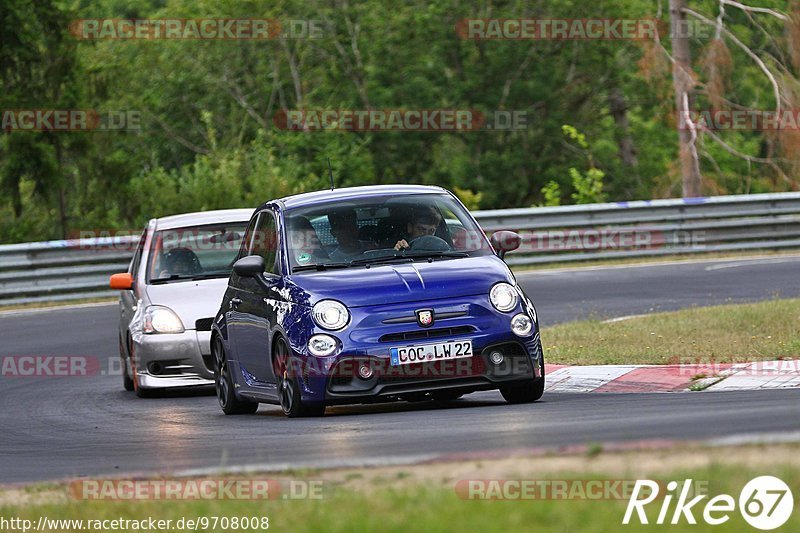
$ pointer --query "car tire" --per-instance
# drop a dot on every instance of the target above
(127, 382)
(146, 393)
(223, 383)
(527, 392)
(291, 402)
(140, 392)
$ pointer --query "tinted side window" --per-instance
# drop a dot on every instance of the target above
(137, 256)
(265, 241)
(244, 251)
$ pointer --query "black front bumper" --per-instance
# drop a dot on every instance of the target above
(521, 362)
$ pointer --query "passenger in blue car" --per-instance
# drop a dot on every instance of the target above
(344, 228)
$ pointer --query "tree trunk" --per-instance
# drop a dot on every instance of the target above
(684, 98)
(627, 150)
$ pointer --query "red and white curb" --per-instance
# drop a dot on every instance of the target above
(674, 378)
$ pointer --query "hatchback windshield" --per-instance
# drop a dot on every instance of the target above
(381, 229)
(196, 252)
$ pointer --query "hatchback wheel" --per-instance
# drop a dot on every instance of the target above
(127, 382)
(289, 387)
(230, 404)
(527, 392)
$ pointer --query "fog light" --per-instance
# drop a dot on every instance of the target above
(521, 324)
(365, 371)
(496, 357)
(321, 345)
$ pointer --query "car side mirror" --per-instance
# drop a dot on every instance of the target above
(249, 266)
(121, 282)
(505, 241)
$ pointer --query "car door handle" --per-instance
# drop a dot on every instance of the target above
(234, 303)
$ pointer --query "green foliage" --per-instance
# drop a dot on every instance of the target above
(471, 200)
(588, 186)
(552, 194)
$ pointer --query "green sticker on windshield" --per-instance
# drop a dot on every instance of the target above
(303, 258)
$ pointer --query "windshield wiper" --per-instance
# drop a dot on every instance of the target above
(405, 256)
(210, 275)
(194, 277)
(425, 255)
(320, 266)
(174, 277)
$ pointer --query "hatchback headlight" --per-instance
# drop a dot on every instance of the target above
(522, 325)
(322, 345)
(160, 319)
(504, 297)
(330, 314)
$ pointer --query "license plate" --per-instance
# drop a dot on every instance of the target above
(430, 352)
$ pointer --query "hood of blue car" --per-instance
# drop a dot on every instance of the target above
(405, 282)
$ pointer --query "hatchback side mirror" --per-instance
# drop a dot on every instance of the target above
(121, 282)
(249, 266)
(504, 242)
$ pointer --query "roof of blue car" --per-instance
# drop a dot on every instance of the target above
(349, 193)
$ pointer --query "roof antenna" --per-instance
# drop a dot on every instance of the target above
(330, 172)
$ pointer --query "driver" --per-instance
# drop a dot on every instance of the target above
(344, 228)
(180, 262)
(424, 221)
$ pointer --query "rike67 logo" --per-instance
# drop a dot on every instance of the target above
(765, 503)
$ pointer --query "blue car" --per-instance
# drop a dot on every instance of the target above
(372, 294)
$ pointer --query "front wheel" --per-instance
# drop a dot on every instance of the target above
(289, 387)
(527, 392)
(127, 381)
(223, 382)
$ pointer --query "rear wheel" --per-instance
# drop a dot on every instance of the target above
(527, 392)
(223, 382)
(289, 387)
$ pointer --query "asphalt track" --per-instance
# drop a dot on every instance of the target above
(55, 428)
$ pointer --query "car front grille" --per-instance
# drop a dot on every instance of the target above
(420, 334)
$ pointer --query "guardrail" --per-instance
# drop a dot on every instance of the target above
(79, 269)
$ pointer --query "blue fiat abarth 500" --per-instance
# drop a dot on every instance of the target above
(372, 294)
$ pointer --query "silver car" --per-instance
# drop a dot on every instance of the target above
(169, 295)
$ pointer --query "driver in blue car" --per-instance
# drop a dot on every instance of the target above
(424, 221)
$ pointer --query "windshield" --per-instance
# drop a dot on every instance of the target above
(195, 252)
(381, 229)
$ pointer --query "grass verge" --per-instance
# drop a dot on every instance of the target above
(424, 497)
(724, 333)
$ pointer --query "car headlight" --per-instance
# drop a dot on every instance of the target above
(160, 319)
(322, 345)
(330, 314)
(522, 325)
(504, 297)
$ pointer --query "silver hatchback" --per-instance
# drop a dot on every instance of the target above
(169, 295)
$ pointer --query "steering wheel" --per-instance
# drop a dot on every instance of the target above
(429, 243)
